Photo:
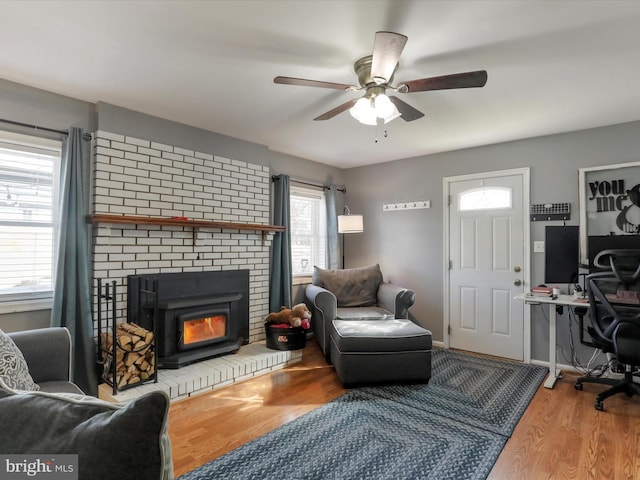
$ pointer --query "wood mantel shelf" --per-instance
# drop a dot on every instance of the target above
(182, 222)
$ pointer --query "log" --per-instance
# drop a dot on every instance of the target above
(130, 359)
(124, 341)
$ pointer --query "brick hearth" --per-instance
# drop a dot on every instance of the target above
(250, 361)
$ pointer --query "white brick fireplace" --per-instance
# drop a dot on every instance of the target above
(138, 177)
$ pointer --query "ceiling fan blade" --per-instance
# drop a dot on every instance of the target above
(311, 83)
(387, 48)
(457, 80)
(339, 109)
(408, 113)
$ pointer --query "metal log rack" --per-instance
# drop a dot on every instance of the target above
(106, 295)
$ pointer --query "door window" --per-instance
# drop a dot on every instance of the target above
(484, 198)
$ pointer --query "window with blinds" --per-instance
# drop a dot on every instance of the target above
(29, 168)
(308, 230)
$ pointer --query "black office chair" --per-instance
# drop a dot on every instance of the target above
(615, 319)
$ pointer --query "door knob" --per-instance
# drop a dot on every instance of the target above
(517, 283)
(516, 269)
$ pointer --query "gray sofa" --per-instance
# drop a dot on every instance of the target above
(42, 412)
(353, 294)
(47, 352)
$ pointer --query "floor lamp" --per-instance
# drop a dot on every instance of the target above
(348, 223)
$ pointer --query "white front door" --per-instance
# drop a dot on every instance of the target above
(487, 263)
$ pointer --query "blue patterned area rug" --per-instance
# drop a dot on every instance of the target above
(453, 428)
(483, 392)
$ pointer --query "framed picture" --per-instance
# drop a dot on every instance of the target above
(609, 208)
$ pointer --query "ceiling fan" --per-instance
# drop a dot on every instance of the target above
(375, 76)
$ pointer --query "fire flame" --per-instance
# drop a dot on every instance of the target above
(202, 329)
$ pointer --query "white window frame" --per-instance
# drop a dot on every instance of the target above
(41, 299)
(319, 231)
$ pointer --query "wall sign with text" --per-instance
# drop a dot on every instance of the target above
(609, 202)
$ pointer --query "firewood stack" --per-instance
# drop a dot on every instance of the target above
(134, 354)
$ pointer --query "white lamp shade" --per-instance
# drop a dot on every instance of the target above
(350, 224)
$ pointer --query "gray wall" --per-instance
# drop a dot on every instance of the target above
(409, 244)
(24, 104)
(19, 321)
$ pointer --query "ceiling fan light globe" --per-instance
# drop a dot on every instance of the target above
(363, 112)
(367, 119)
(392, 117)
(383, 106)
(363, 104)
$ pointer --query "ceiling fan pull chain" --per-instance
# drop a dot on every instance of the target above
(385, 134)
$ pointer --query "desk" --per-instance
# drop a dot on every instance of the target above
(561, 300)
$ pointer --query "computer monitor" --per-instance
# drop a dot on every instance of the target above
(562, 254)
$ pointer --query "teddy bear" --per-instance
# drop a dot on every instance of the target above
(298, 316)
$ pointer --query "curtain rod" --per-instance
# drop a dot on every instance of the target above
(35, 127)
(300, 182)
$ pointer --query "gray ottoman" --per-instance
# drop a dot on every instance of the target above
(373, 351)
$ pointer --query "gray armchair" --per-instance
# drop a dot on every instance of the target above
(353, 294)
(47, 352)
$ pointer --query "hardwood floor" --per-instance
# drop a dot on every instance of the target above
(560, 436)
(204, 427)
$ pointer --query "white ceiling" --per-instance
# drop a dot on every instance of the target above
(553, 66)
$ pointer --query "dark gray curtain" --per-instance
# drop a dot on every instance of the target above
(72, 296)
(281, 277)
(333, 248)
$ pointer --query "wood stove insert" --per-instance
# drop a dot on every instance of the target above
(198, 315)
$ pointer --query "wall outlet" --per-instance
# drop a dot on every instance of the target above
(538, 246)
